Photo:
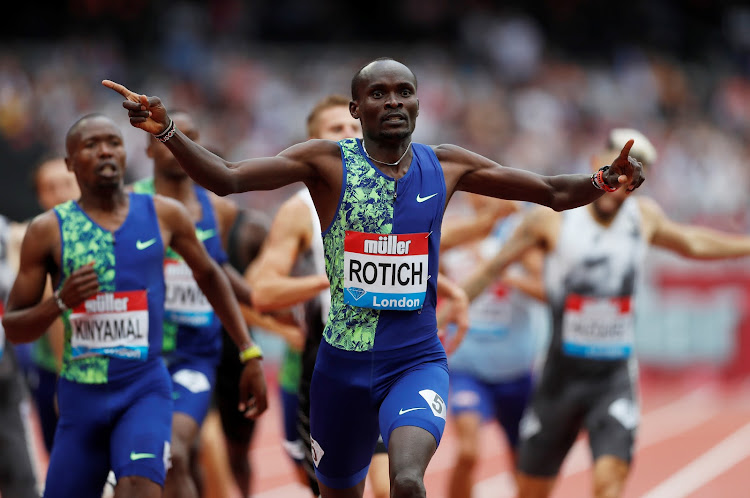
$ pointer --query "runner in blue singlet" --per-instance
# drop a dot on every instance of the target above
(491, 370)
(192, 332)
(105, 255)
(380, 202)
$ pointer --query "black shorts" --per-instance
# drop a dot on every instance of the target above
(237, 428)
(606, 406)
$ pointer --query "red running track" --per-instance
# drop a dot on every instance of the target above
(694, 442)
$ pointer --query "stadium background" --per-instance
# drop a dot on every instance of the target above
(533, 84)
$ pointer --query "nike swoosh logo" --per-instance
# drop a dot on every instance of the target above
(143, 245)
(204, 234)
(139, 456)
(402, 411)
(422, 199)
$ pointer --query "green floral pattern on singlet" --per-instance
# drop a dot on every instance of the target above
(366, 206)
(290, 370)
(169, 342)
(42, 354)
(83, 241)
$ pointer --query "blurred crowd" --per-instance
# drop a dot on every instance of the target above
(503, 90)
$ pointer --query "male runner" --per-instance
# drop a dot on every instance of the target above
(294, 247)
(105, 254)
(192, 332)
(491, 370)
(380, 201)
(593, 255)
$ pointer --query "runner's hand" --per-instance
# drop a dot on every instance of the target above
(625, 170)
(82, 284)
(295, 338)
(146, 113)
(455, 309)
(253, 400)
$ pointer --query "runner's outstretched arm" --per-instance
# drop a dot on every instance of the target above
(471, 172)
(211, 171)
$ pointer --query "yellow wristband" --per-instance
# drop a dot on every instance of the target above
(248, 354)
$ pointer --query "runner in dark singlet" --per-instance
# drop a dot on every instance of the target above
(589, 378)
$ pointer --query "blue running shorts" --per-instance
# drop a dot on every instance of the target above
(355, 396)
(123, 425)
(193, 381)
(503, 401)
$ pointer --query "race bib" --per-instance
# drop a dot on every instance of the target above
(111, 324)
(385, 272)
(598, 328)
(491, 312)
(184, 302)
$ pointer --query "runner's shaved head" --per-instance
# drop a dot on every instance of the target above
(366, 70)
(75, 130)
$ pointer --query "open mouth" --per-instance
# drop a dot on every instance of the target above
(394, 118)
(107, 170)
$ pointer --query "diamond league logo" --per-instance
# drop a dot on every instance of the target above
(356, 292)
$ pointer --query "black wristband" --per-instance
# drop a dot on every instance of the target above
(167, 133)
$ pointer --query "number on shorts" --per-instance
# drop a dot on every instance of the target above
(437, 405)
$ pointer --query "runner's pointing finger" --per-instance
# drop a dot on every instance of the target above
(625, 152)
(133, 97)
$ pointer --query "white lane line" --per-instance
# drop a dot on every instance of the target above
(293, 490)
(500, 486)
(714, 462)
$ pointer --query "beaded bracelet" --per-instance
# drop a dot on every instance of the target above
(60, 303)
(250, 352)
(597, 179)
(167, 133)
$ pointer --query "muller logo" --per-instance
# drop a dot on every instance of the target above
(387, 244)
(106, 303)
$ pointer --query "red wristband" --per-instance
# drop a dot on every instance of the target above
(598, 180)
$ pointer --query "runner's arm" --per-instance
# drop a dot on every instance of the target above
(211, 171)
(471, 228)
(530, 279)
(291, 334)
(217, 289)
(55, 332)
(692, 241)
(240, 287)
(528, 284)
(455, 310)
(290, 234)
(28, 314)
(208, 275)
(526, 236)
(471, 172)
